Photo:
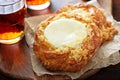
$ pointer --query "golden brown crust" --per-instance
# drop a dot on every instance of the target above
(73, 59)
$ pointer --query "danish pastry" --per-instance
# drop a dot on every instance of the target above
(67, 40)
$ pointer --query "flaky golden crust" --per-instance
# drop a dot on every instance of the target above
(67, 58)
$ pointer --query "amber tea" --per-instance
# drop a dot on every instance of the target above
(12, 16)
(37, 4)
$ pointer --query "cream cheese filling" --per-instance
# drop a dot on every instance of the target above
(66, 32)
(82, 13)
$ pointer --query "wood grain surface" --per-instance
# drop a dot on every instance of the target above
(15, 60)
(116, 9)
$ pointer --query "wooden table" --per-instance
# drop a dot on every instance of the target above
(15, 63)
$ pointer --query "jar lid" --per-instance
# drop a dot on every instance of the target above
(10, 6)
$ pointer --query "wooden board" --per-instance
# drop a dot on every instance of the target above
(15, 60)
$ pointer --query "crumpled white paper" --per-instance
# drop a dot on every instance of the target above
(108, 54)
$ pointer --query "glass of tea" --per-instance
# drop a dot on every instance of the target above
(37, 4)
(12, 14)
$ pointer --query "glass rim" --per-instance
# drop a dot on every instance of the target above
(14, 2)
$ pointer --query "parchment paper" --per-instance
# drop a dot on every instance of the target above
(108, 54)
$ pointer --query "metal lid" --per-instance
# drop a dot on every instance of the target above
(10, 6)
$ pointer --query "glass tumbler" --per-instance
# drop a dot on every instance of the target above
(37, 4)
(12, 14)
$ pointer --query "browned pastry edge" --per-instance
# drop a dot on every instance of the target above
(64, 59)
(98, 18)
